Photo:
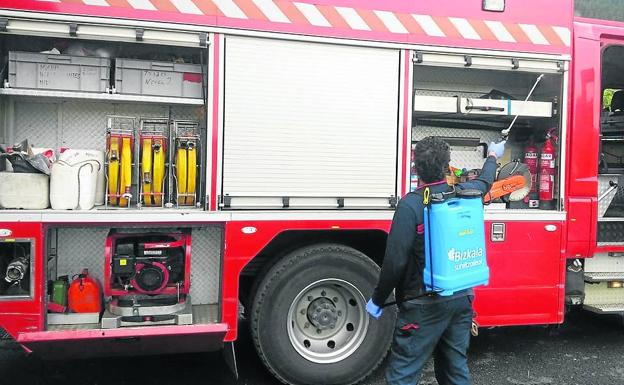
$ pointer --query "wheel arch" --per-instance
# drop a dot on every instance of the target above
(372, 243)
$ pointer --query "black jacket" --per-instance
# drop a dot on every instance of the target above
(406, 240)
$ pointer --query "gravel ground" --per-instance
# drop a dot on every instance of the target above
(587, 349)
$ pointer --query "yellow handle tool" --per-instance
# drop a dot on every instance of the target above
(181, 173)
(191, 175)
(146, 170)
(113, 170)
(159, 171)
(125, 176)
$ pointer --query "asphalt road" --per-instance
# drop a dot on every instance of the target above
(587, 349)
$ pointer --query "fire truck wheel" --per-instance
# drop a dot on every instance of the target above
(309, 320)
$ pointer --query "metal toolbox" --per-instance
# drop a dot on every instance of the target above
(58, 72)
(144, 77)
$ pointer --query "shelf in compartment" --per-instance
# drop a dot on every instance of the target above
(113, 98)
(153, 216)
(476, 106)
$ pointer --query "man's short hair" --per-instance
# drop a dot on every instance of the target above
(431, 159)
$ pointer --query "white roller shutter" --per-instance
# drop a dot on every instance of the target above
(309, 124)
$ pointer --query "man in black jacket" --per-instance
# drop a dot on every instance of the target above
(430, 324)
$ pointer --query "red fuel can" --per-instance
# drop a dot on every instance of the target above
(85, 294)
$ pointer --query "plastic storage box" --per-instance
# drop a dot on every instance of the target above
(58, 72)
(144, 77)
(24, 191)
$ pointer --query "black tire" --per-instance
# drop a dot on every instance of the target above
(282, 285)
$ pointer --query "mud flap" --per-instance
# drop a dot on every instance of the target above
(229, 355)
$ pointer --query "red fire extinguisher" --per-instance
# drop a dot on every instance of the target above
(547, 173)
(531, 160)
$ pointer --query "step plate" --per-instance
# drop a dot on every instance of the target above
(611, 231)
(607, 244)
(612, 308)
(601, 277)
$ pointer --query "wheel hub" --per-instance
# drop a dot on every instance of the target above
(322, 314)
(327, 320)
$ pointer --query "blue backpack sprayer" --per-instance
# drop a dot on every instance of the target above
(455, 255)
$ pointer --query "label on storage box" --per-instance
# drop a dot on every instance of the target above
(157, 79)
(58, 76)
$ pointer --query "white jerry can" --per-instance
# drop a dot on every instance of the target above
(73, 156)
(74, 180)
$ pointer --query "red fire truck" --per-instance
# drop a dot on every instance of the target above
(219, 159)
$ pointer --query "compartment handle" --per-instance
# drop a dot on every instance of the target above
(162, 65)
(53, 57)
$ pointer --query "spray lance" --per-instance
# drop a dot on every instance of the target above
(505, 132)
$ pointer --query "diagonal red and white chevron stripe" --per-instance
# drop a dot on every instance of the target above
(357, 19)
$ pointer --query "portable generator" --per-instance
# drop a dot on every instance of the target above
(147, 278)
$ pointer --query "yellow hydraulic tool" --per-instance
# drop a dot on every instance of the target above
(159, 170)
(113, 169)
(125, 176)
(146, 170)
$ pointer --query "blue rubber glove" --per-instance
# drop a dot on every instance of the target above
(372, 309)
(497, 149)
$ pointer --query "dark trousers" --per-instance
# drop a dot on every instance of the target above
(438, 328)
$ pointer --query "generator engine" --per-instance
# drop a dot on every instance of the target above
(147, 277)
(151, 264)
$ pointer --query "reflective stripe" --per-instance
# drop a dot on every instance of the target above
(429, 26)
(230, 9)
(534, 34)
(499, 30)
(353, 19)
(271, 11)
(465, 28)
(142, 4)
(390, 20)
(187, 6)
(314, 16)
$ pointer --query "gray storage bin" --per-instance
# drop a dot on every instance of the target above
(144, 77)
(58, 72)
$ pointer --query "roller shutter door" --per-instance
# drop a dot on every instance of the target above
(309, 125)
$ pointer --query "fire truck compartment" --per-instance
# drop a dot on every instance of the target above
(470, 100)
(71, 250)
(63, 116)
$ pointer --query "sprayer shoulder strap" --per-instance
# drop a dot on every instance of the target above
(425, 194)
